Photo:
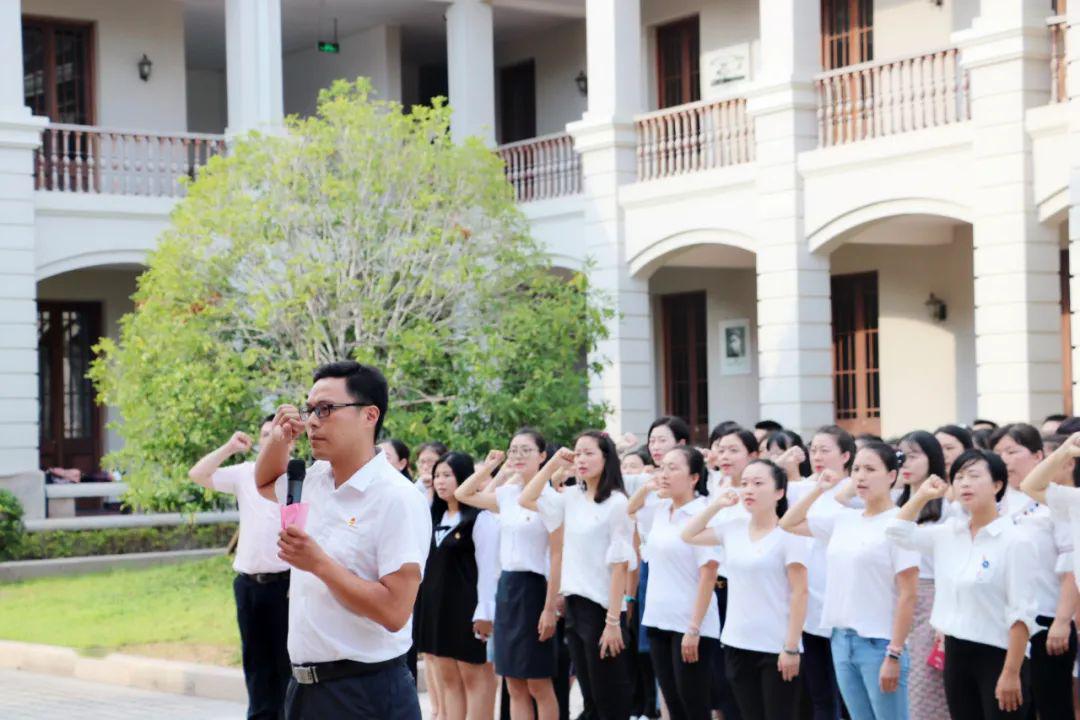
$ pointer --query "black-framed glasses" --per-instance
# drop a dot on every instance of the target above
(323, 410)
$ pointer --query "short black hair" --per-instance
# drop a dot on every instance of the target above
(268, 418)
(1069, 426)
(722, 428)
(679, 429)
(402, 451)
(843, 440)
(998, 471)
(1056, 417)
(982, 421)
(1022, 434)
(364, 383)
(770, 426)
(962, 435)
(744, 436)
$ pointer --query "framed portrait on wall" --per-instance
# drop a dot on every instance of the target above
(735, 347)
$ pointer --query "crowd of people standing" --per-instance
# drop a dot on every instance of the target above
(750, 576)
(928, 576)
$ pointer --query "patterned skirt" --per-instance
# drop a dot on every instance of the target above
(926, 687)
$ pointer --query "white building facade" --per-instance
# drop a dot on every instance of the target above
(806, 210)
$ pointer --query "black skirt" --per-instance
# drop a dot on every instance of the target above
(519, 654)
(447, 600)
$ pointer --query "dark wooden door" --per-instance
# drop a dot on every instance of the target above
(686, 361)
(847, 32)
(856, 376)
(70, 419)
(678, 57)
(517, 101)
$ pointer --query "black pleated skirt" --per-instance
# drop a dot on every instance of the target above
(519, 654)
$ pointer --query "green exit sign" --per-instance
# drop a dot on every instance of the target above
(329, 47)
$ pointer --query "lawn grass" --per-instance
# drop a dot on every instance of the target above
(183, 612)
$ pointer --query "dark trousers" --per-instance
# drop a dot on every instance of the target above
(642, 674)
(821, 695)
(605, 683)
(1051, 676)
(561, 680)
(971, 674)
(388, 694)
(722, 697)
(262, 612)
(758, 686)
(685, 685)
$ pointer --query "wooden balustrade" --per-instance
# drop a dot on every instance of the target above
(85, 159)
(543, 167)
(1058, 59)
(876, 99)
(697, 136)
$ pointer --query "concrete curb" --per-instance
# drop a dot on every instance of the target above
(28, 569)
(181, 678)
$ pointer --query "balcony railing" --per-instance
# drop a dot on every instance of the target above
(876, 99)
(1058, 59)
(85, 159)
(697, 136)
(543, 167)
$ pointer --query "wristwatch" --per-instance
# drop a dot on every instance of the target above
(788, 651)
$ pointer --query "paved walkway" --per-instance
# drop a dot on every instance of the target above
(28, 696)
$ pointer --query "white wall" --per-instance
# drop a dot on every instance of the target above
(927, 368)
(724, 25)
(730, 295)
(113, 288)
(207, 101)
(910, 27)
(373, 53)
(559, 54)
(124, 30)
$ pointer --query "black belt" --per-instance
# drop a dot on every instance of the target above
(337, 669)
(266, 578)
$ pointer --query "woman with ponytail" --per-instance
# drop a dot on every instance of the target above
(767, 591)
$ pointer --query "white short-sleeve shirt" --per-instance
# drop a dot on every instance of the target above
(1064, 502)
(983, 585)
(816, 564)
(260, 519)
(759, 595)
(674, 571)
(860, 579)
(374, 524)
(595, 537)
(523, 544)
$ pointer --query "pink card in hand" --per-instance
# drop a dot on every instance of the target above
(295, 514)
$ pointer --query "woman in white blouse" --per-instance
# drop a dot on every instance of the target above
(870, 586)
(984, 601)
(767, 591)
(525, 617)
(598, 552)
(680, 616)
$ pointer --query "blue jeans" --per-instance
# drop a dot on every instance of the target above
(858, 662)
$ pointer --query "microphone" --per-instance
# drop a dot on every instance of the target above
(295, 472)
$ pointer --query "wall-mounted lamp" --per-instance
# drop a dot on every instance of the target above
(582, 82)
(144, 68)
(937, 308)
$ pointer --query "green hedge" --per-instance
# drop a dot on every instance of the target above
(118, 541)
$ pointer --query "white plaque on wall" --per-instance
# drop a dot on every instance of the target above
(725, 68)
(735, 347)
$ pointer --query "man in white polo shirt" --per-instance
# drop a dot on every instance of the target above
(261, 586)
(358, 562)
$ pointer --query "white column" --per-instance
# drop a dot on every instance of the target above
(470, 59)
(794, 338)
(253, 59)
(20, 134)
(1072, 80)
(606, 140)
(1017, 300)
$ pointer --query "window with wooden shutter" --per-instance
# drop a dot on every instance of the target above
(677, 63)
(847, 32)
(58, 69)
(856, 371)
(686, 358)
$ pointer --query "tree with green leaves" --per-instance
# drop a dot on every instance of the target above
(362, 232)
